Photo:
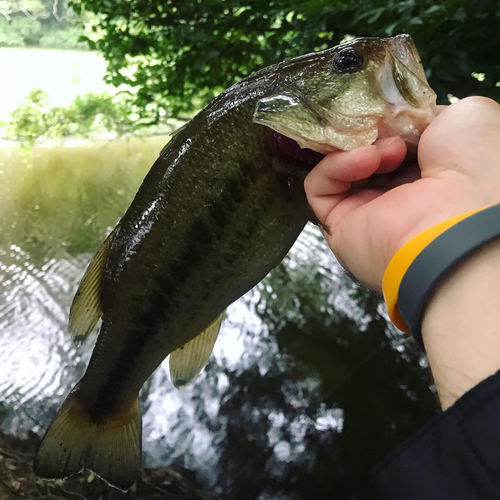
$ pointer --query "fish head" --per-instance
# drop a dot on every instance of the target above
(350, 95)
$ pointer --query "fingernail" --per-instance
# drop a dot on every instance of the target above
(363, 148)
(387, 142)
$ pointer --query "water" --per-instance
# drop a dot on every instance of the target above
(308, 385)
(63, 74)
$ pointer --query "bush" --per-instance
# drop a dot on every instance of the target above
(18, 32)
(87, 116)
(64, 38)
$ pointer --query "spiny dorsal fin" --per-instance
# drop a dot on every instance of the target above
(180, 129)
(86, 310)
(188, 361)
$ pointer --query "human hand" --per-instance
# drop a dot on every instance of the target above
(371, 207)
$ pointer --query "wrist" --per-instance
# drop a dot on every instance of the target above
(460, 325)
(416, 269)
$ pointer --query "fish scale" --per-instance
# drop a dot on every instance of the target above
(163, 317)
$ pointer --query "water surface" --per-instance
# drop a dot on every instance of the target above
(308, 385)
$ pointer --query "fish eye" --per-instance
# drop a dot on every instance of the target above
(347, 61)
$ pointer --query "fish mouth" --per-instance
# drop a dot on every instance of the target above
(404, 86)
(290, 151)
(402, 48)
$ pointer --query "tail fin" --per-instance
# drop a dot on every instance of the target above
(74, 441)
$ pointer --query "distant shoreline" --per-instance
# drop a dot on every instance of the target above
(38, 47)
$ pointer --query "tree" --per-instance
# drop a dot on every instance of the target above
(32, 9)
(177, 54)
(45, 23)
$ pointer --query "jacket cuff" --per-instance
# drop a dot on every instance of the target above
(455, 456)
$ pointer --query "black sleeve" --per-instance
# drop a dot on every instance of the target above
(456, 456)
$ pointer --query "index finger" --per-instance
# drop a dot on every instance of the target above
(330, 181)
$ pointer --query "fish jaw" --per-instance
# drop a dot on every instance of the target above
(411, 101)
(388, 96)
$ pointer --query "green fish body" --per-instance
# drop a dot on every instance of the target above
(211, 219)
(218, 210)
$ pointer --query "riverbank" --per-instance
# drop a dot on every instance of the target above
(18, 481)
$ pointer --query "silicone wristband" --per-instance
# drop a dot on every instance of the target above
(437, 259)
(402, 260)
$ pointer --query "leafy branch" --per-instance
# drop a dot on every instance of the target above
(87, 116)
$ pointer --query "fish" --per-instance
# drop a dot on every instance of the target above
(221, 207)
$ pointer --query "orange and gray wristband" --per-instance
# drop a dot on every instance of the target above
(418, 266)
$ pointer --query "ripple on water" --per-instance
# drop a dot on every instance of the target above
(35, 348)
(39, 364)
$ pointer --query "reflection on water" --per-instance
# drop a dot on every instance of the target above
(306, 388)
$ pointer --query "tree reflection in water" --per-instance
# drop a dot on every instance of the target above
(322, 389)
(309, 385)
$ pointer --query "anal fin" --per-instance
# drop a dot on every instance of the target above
(188, 361)
(86, 309)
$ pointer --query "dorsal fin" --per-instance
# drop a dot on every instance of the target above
(188, 361)
(86, 309)
(172, 135)
(180, 129)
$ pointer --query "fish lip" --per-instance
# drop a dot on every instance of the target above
(404, 44)
(402, 51)
(410, 70)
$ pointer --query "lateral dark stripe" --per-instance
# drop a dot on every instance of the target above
(204, 230)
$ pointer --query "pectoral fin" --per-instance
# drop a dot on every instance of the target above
(188, 361)
(86, 310)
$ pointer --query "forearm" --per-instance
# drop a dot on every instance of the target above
(461, 325)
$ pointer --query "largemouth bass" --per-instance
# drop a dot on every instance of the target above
(220, 208)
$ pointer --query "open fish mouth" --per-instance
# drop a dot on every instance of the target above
(289, 150)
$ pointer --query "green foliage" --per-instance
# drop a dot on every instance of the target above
(177, 54)
(18, 32)
(67, 38)
(28, 29)
(45, 23)
(8, 38)
(87, 116)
